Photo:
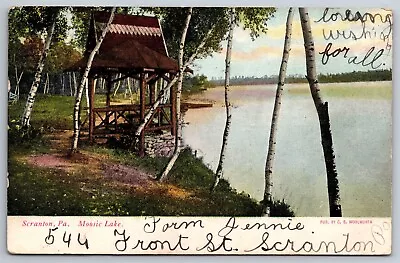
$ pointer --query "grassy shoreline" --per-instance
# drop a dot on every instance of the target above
(89, 191)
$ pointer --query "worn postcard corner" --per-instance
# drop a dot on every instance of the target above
(199, 130)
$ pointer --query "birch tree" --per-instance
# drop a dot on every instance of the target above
(267, 201)
(26, 116)
(253, 19)
(178, 136)
(216, 19)
(118, 85)
(87, 98)
(162, 94)
(18, 78)
(206, 31)
(323, 116)
(219, 171)
(74, 81)
(81, 87)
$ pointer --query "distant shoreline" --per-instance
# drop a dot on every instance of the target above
(303, 82)
(215, 94)
(355, 76)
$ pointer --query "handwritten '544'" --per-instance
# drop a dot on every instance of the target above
(67, 238)
(370, 58)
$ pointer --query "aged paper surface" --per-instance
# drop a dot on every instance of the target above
(199, 235)
(264, 166)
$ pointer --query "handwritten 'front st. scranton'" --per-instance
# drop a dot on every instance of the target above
(200, 130)
(166, 235)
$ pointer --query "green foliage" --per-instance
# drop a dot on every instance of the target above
(189, 172)
(81, 18)
(194, 84)
(254, 19)
(49, 111)
(27, 28)
(23, 58)
(281, 209)
(361, 90)
(24, 137)
(35, 20)
(45, 191)
(80, 21)
(28, 55)
(50, 192)
(355, 76)
(370, 75)
(34, 192)
(61, 57)
(203, 19)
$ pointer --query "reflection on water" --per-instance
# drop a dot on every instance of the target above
(361, 126)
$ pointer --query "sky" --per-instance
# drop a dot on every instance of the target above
(263, 56)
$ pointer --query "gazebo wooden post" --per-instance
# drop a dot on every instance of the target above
(172, 101)
(109, 86)
(142, 111)
(152, 92)
(152, 95)
(157, 87)
(91, 107)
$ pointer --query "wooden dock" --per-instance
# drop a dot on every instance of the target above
(188, 105)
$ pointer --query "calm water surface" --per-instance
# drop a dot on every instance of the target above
(361, 124)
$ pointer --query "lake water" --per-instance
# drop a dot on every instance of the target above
(361, 125)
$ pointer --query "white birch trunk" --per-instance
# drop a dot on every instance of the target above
(16, 76)
(79, 92)
(45, 83)
(130, 90)
(18, 80)
(103, 84)
(154, 107)
(178, 135)
(87, 98)
(118, 85)
(275, 116)
(70, 84)
(219, 171)
(167, 92)
(62, 84)
(74, 81)
(164, 83)
(48, 83)
(26, 116)
(323, 116)
(126, 88)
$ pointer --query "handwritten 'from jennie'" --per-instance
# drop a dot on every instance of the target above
(374, 28)
(213, 235)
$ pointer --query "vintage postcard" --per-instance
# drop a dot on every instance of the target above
(199, 130)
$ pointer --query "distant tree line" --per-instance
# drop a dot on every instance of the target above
(355, 76)
(196, 83)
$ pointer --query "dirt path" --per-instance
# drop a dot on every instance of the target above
(102, 167)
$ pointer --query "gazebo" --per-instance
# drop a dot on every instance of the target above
(134, 47)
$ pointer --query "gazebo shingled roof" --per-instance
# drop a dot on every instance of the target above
(132, 42)
(144, 29)
(130, 54)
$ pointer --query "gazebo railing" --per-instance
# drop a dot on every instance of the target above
(124, 119)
